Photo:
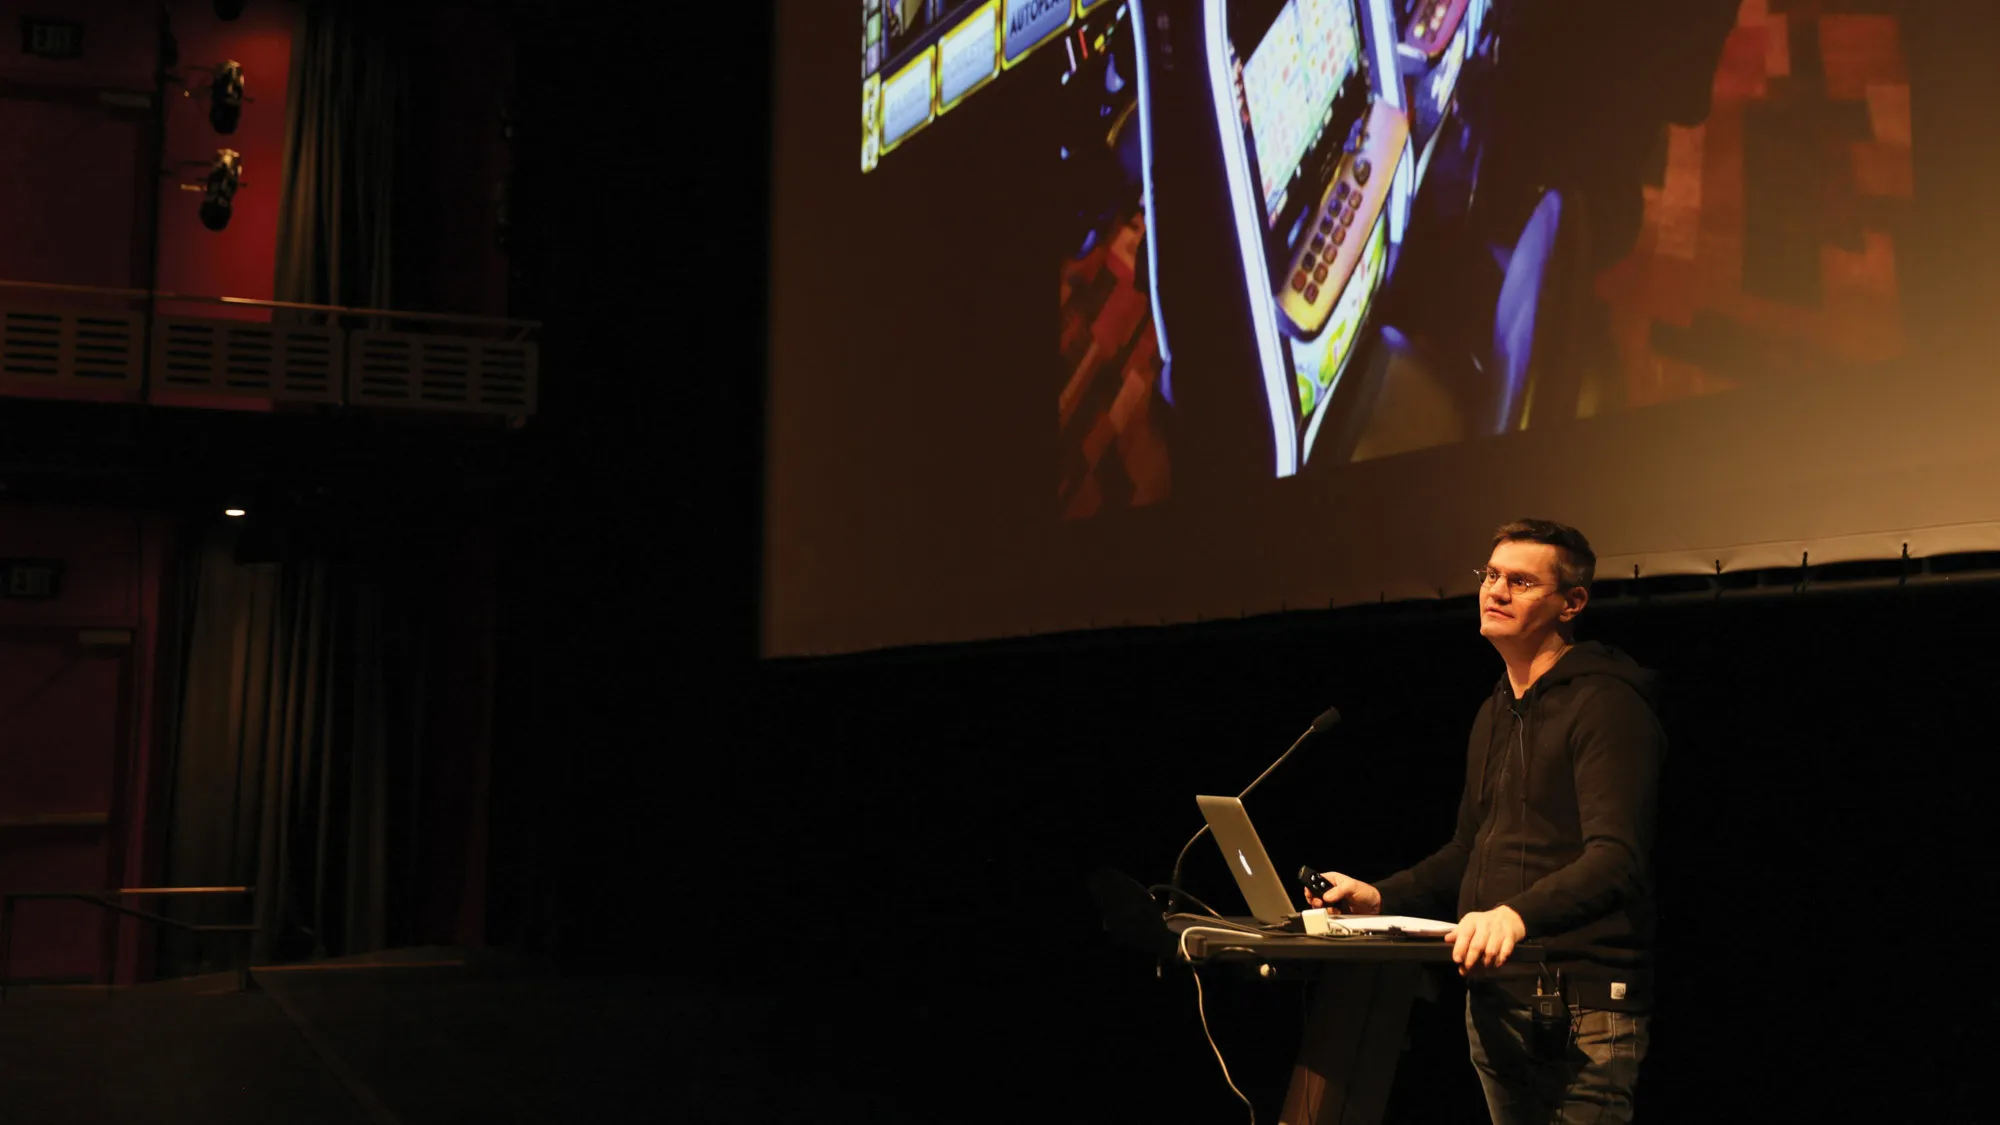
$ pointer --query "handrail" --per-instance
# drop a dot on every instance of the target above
(135, 891)
(103, 900)
(181, 891)
(56, 820)
(259, 303)
(62, 287)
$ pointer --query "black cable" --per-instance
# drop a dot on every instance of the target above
(1174, 883)
(1201, 1008)
(1228, 923)
(1174, 892)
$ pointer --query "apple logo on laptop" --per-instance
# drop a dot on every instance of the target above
(1245, 861)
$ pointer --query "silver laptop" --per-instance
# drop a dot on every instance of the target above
(1270, 902)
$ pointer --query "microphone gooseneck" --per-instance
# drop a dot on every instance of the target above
(1326, 719)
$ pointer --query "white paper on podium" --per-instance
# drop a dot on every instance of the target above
(1377, 924)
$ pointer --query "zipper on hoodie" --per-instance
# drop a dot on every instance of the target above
(1520, 734)
(1493, 815)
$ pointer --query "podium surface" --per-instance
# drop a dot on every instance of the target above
(1360, 1008)
(1202, 939)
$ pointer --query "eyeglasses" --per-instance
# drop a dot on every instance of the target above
(1519, 583)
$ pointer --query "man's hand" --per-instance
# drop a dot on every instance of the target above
(1485, 937)
(1346, 895)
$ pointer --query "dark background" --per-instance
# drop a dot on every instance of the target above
(1821, 849)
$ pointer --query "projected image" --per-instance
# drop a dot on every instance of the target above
(1295, 129)
(1325, 114)
(1768, 240)
(903, 21)
(1289, 85)
(920, 58)
(1111, 401)
(872, 44)
(1553, 231)
(1319, 361)
(1723, 208)
(1296, 234)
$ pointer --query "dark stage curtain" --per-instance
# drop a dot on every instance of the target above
(344, 132)
(320, 752)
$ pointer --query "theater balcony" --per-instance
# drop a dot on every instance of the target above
(93, 344)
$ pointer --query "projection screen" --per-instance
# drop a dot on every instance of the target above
(1118, 313)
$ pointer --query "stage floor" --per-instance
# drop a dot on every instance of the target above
(482, 1041)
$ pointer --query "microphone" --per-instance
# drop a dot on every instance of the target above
(1326, 720)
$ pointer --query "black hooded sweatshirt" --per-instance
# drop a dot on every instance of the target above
(1556, 821)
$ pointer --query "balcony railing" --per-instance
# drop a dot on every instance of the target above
(75, 341)
(113, 902)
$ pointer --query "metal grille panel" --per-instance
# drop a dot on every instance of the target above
(293, 363)
(67, 348)
(64, 351)
(457, 373)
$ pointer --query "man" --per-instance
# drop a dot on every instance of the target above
(1553, 833)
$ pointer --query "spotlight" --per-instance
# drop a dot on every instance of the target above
(218, 188)
(218, 197)
(223, 92)
(234, 513)
(228, 9)
(225, 96)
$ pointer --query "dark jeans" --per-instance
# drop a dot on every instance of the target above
(1529, 1081)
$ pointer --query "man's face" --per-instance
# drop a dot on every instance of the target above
(1510, 615)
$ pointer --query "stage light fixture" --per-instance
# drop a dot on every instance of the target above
(224, 93)
(219, 193)
(225, 96)
(218, 188)
(235, 513)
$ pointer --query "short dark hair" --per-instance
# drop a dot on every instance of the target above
(1576, 563)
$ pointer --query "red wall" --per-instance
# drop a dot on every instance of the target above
(240, 260)
(77, 731)
(77, 168)
(70, 192)
(74, 167)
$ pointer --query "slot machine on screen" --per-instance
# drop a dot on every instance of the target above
(1437, 38)
(1281, 184)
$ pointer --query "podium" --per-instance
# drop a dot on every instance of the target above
(1360, 1009)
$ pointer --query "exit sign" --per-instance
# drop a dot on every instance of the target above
(30, 578)
(51, 39)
